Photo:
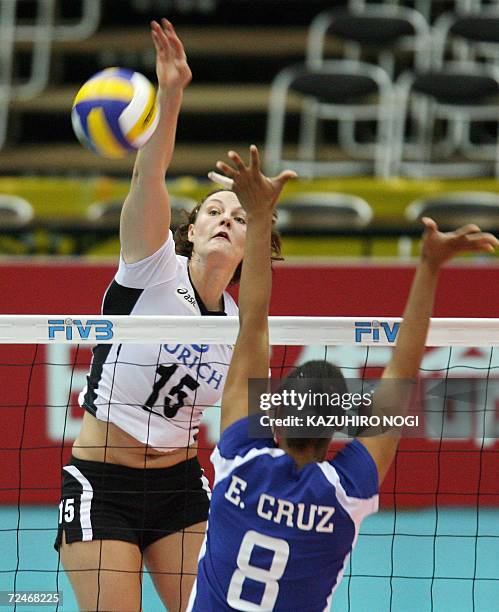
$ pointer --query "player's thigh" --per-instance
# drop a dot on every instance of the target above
(104, 574)
(172, 563)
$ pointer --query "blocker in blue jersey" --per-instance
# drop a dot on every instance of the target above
(283, 519)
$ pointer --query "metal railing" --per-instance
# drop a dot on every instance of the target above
(40, 34)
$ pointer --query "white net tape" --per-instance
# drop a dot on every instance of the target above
(331, 331)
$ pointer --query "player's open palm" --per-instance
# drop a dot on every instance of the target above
(172, 69)
(256, 192)
(438, 247)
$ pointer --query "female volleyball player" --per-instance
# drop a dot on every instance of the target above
(133, 492)
(283, 520)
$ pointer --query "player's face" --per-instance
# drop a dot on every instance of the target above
(219, 231)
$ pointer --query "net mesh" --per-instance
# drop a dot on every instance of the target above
(433, 545)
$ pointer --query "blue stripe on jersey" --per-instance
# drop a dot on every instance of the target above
(279, 537)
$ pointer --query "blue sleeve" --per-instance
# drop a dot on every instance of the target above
(357, 471)
(236, 439)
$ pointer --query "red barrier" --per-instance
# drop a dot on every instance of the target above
(37, 427)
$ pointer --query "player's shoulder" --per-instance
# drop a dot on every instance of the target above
(356, 470)
(243, 436)
(164, 265)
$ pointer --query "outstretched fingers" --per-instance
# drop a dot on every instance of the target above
(284, 177)
(236, 159)
(254, 158)
(226, 169)
(471, 228)
(220, 179)
(429, 224)
(173, 39)
(480, 241)
(160, 39)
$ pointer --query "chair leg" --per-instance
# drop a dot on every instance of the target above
(384, 138)
(497, 155)
(307, 142)
(399, 117)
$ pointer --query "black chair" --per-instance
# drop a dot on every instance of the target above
(460, 92)
(386, 35)
(319, 212)
(453, 209)
(341, 90)
(382, 32)
(16, 213)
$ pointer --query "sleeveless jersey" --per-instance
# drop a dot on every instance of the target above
(279, 538)
(156, 393)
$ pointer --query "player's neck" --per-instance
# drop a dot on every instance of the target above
(210, 283)
(304, 457)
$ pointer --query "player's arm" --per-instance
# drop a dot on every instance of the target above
(392, 394)
(258, 196)
(145, 218)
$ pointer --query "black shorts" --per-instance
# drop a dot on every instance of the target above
(104, 501)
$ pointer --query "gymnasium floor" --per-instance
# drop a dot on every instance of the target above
(377, 557)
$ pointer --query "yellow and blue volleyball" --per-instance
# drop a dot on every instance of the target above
(115, 112)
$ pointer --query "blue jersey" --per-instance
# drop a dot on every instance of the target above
(279, 537)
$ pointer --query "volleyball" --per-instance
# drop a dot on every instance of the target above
(115, 112)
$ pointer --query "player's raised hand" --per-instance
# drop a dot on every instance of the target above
(172, 69)
(438, 247)
(220, 179)
(256, 192)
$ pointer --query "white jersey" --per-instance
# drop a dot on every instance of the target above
(156, 393)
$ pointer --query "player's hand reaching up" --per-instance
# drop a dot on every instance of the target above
(256, 192)
(172, 69)
(438, 247)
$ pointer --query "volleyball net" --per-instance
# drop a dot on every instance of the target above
(433, 546)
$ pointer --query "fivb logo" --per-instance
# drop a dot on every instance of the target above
(92, 329)
(374, 329)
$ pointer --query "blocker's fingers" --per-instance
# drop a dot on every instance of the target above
(479, 246)
(480, 238)
(471, 228)
(220, 179)
(237, 160)
(226, 169)
(254, 158)
(430, 224)
(285, 176)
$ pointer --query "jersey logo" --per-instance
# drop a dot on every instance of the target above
(194, 358)
(183, 292)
